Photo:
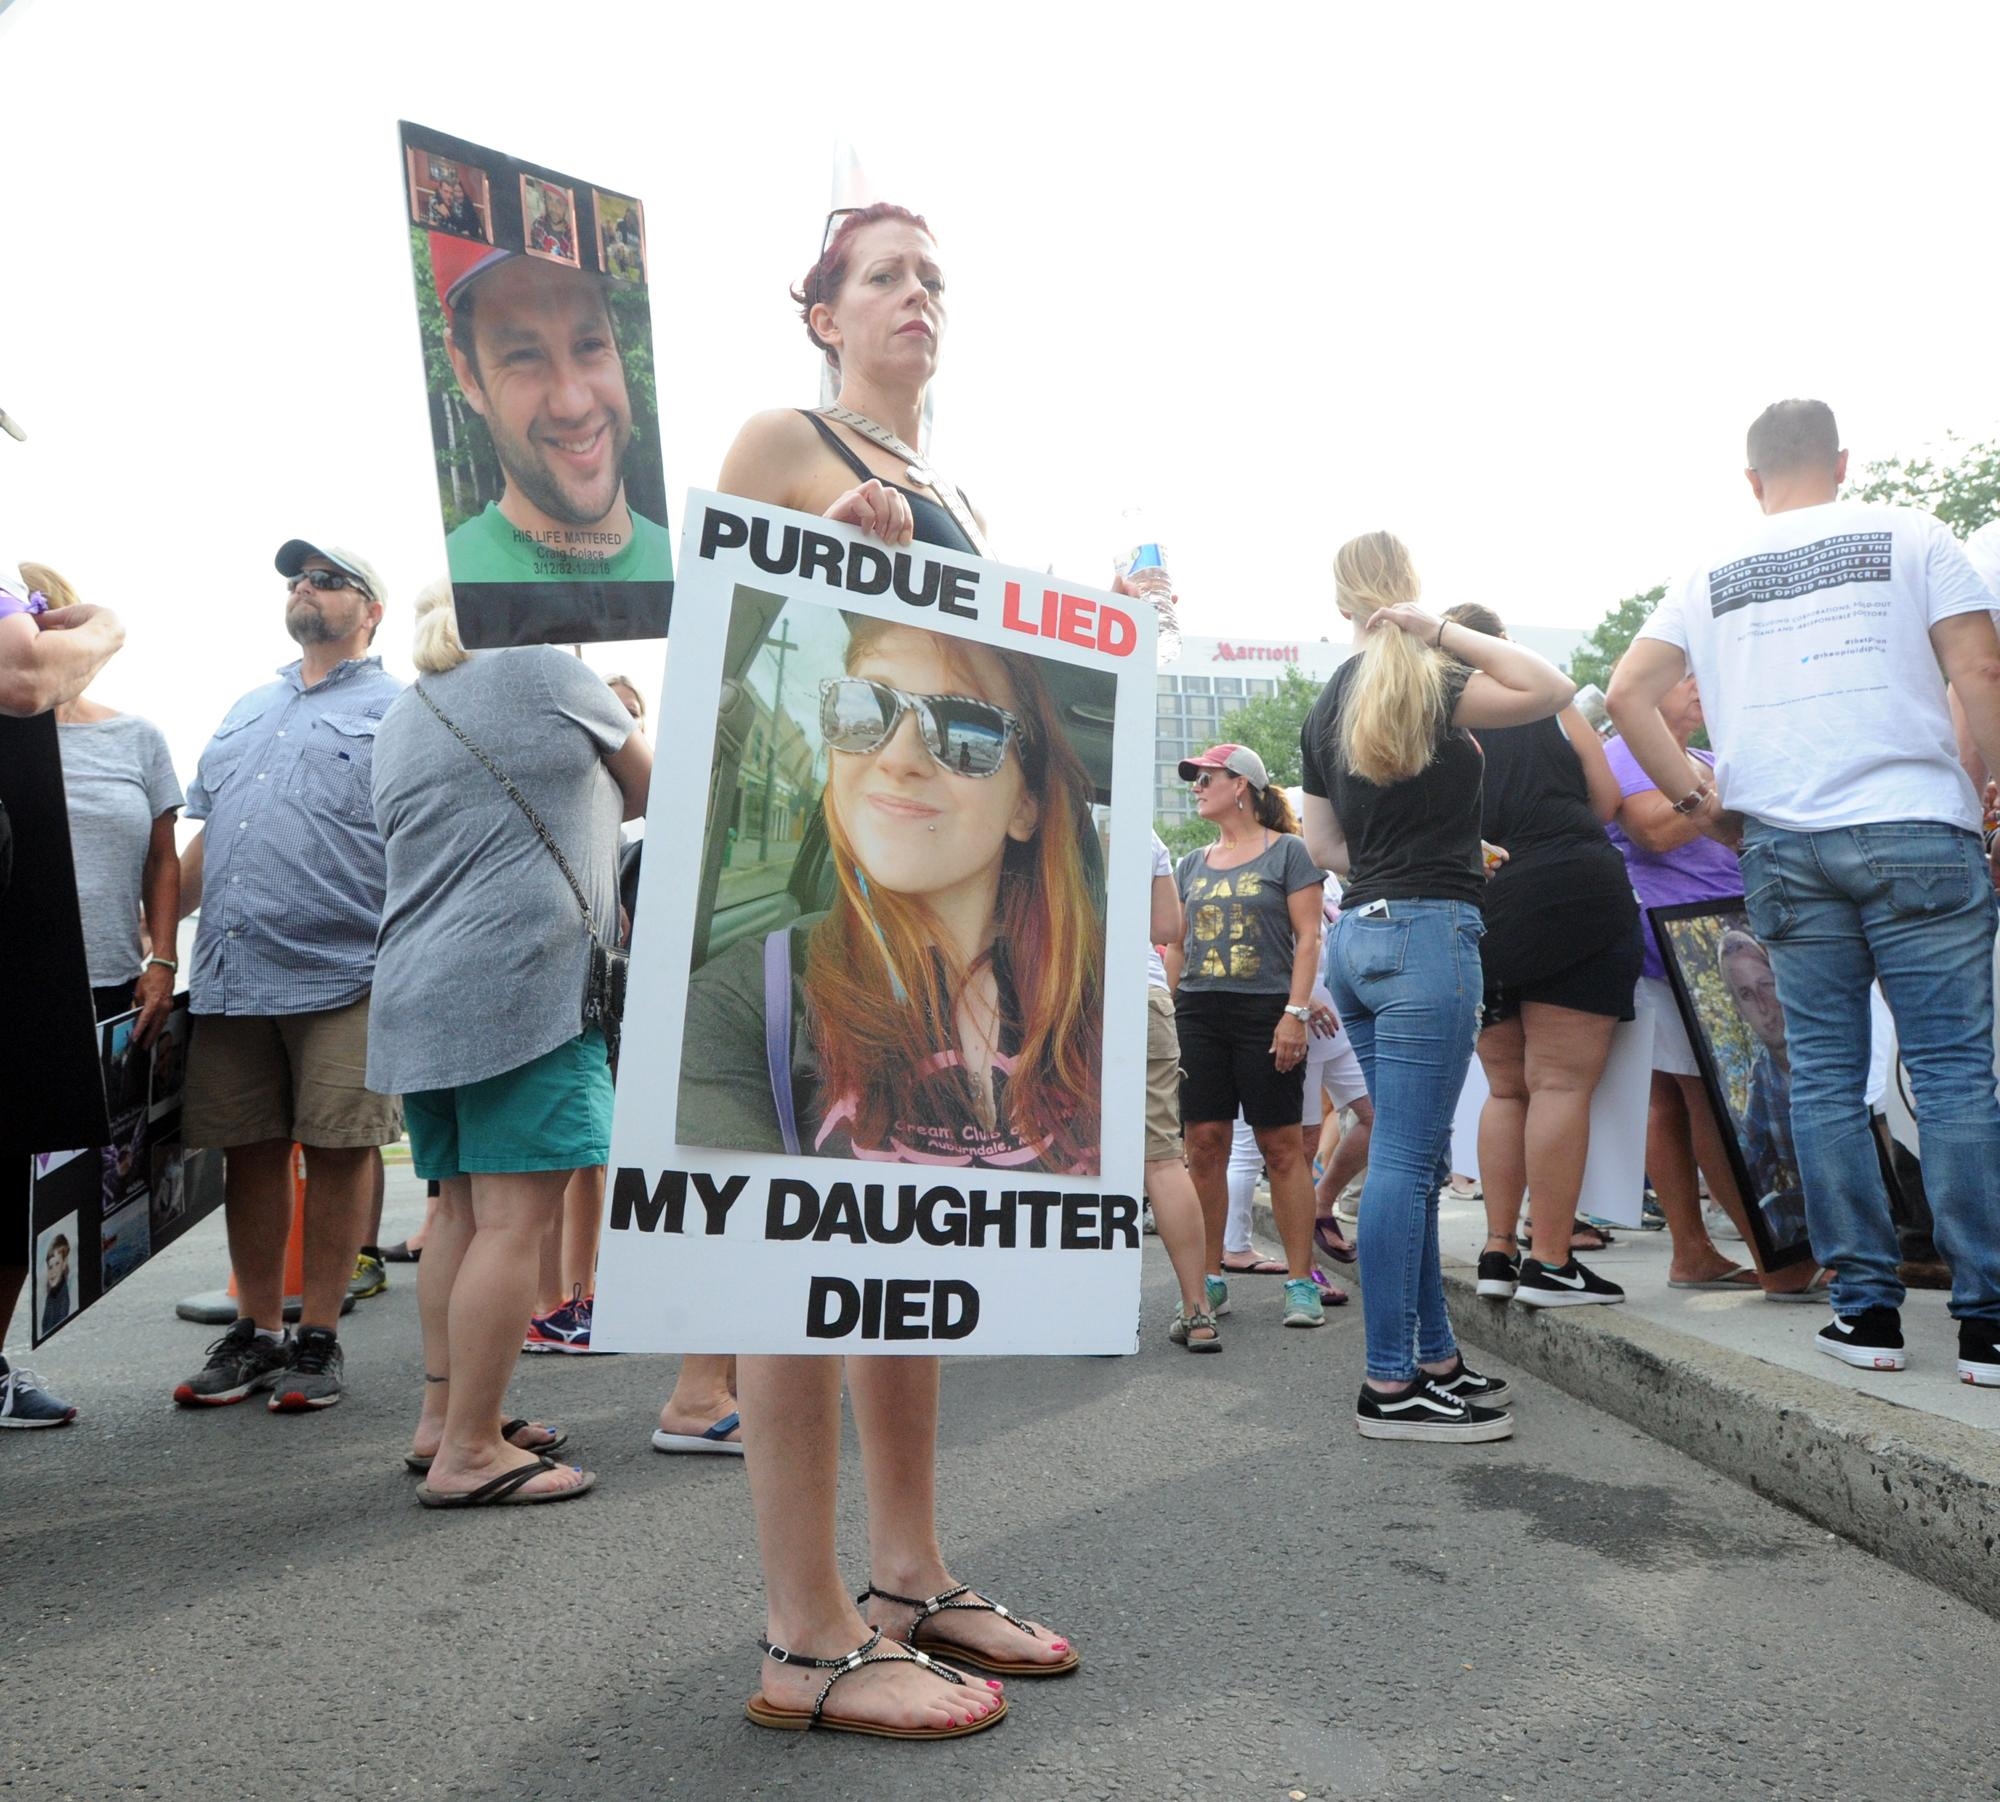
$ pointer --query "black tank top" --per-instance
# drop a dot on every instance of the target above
(932, 522)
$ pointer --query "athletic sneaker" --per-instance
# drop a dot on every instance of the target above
(239, 1364)
(1499, 1274)
(566, 1330)
(1302, 1303)
(1466, 1384)
(1979, 1353)
(1424, 1411)
(1870, 1340)
(1562, 1285)
(371, 1276)
(1216, 1290)
(25, 1403)
(313, 1379)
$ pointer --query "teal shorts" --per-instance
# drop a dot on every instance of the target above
(551, 1114)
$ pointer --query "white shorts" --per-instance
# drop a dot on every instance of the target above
(1331, 1066)
(1672, 1050)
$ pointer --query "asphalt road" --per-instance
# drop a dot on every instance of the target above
(236, 1604)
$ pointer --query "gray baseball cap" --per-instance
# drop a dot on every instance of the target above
(1238, 760)
(292, 555)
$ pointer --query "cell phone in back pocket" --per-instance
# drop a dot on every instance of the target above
(1375, 910)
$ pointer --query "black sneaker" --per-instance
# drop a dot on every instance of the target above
(313, 1378)
(1424, 1411)
(1870, 1340)
(1979, 1353)
(1499, 1274)
(1466, 1384)
(1562, 1285)
(239, 1364)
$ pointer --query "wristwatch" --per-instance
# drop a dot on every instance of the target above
(1300, 1014)
(165, 963)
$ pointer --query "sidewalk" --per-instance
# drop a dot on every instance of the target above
(1904, 1463)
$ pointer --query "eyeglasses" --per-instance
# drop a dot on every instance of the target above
(963, 734)
(1208, 776)
(832, 225)
(329, 578)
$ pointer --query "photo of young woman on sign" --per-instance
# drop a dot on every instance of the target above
(941, 999)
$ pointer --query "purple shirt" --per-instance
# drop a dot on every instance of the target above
(1701, 870)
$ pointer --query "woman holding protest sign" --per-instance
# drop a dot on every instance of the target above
(1393, 778)
(903, 726)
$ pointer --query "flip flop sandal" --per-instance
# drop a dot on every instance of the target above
(715, 1439)
(508, 1428)
(947, 1601)
(1331, 1240)
(1262, 1267)
(402, 1252)
(1737, 1278)
(1814, 1292)
(508, 1490)
(799, 1720)
(1329, 1296)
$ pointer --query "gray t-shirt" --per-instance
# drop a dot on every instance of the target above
(118, 778)
(481, 959)
(1239, 924)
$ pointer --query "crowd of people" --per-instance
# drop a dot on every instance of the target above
(409, 897)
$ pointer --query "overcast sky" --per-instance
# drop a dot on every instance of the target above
(1510, 281)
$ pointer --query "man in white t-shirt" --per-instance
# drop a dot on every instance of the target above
(1822, 640)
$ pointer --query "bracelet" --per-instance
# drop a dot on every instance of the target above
(165, 963)
(1691, 802)
(1437, 643)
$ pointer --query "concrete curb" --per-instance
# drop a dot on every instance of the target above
(1921, 1491)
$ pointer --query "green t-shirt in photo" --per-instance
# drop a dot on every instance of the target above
(490, 548)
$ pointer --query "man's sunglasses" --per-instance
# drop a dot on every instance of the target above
(328, 578)
(964, 735)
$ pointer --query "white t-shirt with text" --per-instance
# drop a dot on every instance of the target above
(1810, 643)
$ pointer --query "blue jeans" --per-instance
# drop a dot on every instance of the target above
(1407, 988)
(1909, 902)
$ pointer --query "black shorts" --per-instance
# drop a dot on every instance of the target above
(1226, 1061)
(1603, 981)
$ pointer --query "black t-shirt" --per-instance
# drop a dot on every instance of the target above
(1416, 840)
(1564, 891)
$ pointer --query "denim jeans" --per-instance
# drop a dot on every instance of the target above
(1407, 988)
(1909, 902)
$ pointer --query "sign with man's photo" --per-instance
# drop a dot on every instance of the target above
(96, 1215)
(884, 1047)
(532, 301)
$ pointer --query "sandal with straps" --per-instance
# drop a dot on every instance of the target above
(799, 1720)
(947, 1602)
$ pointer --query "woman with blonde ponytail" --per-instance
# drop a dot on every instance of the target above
(1393, 780)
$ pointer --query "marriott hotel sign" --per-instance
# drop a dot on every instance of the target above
(1225, 652)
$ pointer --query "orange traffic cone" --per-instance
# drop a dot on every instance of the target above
(219, 1308)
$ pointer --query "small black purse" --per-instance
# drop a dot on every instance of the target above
(604, 979)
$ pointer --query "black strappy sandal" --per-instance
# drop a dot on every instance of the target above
(948, 1602)
(798, 1720)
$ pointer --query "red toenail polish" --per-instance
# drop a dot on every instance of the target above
(1061, 1645)
(993, 1683)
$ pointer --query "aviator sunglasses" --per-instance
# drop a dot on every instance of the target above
(327, 578)
(963, 734)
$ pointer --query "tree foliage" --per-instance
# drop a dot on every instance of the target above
(1597, 656)
(1270, 726)
(1962, 489)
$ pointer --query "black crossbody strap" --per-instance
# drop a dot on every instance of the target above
(520, 800)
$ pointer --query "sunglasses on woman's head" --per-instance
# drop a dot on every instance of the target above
(327, 578)
(963, 734)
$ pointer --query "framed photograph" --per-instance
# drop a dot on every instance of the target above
(1728, 998)
(548, 217)
(447, 195)
(621, 237)
(52, 1294)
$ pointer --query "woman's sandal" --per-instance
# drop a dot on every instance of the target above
(798, 1720)
(947, 1602)
(508, 1490)
(1183, 1331)
(508, 1428)
(1331, 1240)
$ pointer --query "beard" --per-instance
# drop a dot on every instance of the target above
(306, 623)
(573, 504)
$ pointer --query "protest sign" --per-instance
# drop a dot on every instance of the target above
(884, 1050)
(96, 1215)
(46, 1020)
(538, 371)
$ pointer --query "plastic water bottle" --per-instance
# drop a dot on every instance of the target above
(1144, 568)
